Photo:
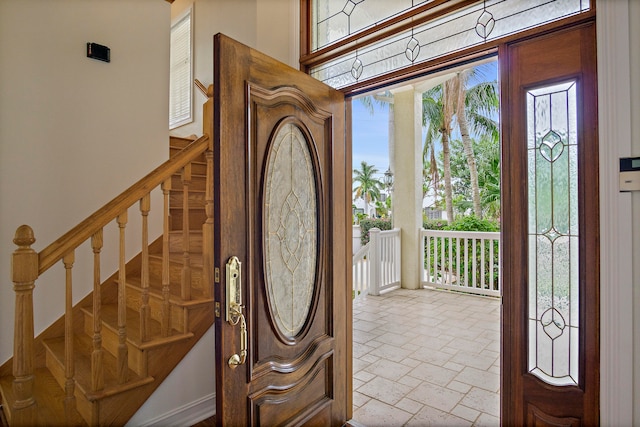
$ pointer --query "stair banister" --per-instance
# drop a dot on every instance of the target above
(207, 228)
(69, 360)
(145, 310)
(207, 231)
(185, 289)
(165, 323)
(97, 369)
(123, 355)
(83, 231)
(24, 271)
(27, 265)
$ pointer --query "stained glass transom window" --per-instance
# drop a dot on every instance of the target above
(467, 27)
(334, 20)
(290, 222)
(553, 294)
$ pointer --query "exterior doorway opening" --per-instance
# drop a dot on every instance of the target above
(426, 243)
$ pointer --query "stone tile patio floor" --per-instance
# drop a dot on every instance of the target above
(426, 358)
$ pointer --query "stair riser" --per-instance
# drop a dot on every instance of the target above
(196, 200)
(134, 301)
(175, 273)
(110, 343)
(195, 242)
(198, 183)
(198, 166)
(181, 142)
(83, 405)
(197, 217)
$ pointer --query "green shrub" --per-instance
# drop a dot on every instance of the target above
(368, 224)
(472, 223)
(434, 224)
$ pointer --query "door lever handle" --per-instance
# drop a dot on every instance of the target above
(236, 359)
(234, 308)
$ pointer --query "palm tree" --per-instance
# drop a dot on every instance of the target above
(369, 186)
(477, 103)
(431, 118)
(489, 179)
(471, 107)
(437, 115)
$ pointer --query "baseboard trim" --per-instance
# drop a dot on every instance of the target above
(188, 414)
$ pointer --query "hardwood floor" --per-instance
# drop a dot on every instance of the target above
(209, 422)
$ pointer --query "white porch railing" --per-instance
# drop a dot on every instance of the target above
(467, 261)
(376, 266)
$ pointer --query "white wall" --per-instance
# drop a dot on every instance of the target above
(634, 18)
(619, 308)
(264, 25)
(74, 132)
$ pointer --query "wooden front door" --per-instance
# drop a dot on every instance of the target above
(550, 350)
(281, 238)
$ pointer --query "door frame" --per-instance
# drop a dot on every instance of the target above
(616, 216)
(525, 398)
(616, 219)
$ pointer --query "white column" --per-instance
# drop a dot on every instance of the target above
(407, 183)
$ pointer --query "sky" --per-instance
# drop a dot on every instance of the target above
(370, 134)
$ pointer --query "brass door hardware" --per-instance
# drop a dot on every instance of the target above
(234, 308)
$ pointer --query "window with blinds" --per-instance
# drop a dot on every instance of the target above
(181, 74)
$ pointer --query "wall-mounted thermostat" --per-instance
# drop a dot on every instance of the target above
(630, 174)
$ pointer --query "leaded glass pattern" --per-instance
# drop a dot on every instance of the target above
(553, 295)
(290, 222)
(467, 27)
(334, 20)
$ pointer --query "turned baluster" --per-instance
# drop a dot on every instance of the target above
(24, 269)
(166, 279)
(97, 371)
(69, 362)
(122, 363)
(207, 229)
(185, 289)
(145, 206)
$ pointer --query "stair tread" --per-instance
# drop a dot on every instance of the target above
(192, 233)
(109, 315)
(82, 346)
(155, 289)
(195, 259)
(49, 397)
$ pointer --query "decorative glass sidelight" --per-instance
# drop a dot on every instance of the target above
(290, 230)
(553, 292)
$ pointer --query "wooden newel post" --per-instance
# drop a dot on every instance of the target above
(24, 272)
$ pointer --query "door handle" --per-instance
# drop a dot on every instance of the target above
(234, 308)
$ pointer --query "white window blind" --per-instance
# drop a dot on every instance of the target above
(180, 85)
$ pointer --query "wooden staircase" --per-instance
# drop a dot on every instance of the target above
(105, 356)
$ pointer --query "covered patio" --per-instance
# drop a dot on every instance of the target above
(426, 357)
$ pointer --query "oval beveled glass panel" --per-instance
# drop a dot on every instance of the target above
(290, 230)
